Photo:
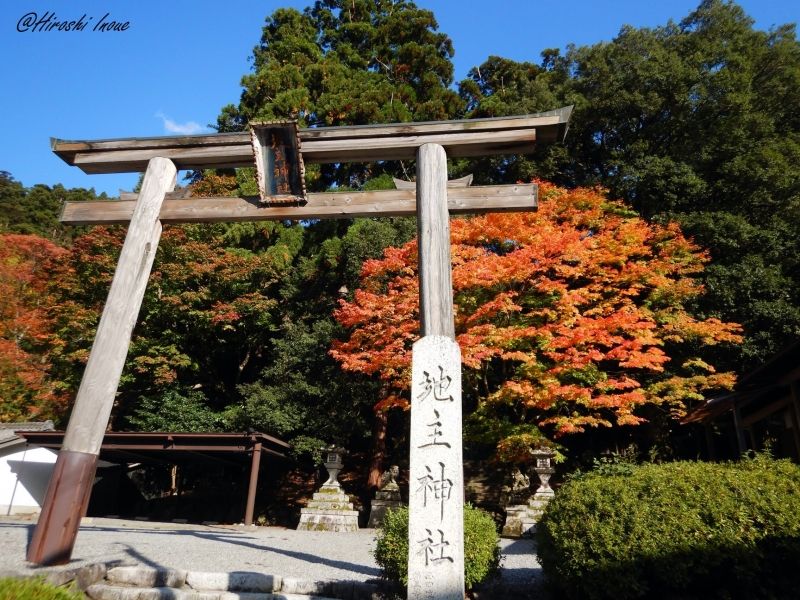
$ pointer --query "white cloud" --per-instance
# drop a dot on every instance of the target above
(188, 128)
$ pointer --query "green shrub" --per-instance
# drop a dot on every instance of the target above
(36, 589)
(677, 530)
(481, 549)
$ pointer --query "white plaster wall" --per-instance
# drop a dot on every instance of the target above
(24, 476)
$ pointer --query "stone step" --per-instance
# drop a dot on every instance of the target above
(235, 581)
(330, 505)
(147, 577)
(321, 497)
(100, 591)
(332, 512)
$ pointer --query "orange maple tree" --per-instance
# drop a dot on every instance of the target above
(26, 390)
(570, 317)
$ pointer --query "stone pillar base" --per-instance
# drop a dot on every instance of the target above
(383, 503)
(329, 510)
(515, 515)
(521, 519)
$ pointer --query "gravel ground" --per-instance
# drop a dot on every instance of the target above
(272, 550)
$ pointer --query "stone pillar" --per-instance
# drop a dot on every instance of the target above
(436, 481)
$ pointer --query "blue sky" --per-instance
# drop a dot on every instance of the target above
(180, 61)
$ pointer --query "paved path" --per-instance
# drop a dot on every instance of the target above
(273, 550)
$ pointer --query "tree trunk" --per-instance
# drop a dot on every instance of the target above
(379, 426)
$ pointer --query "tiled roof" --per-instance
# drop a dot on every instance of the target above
(7, 430)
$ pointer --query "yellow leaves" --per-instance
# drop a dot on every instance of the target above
(679, 326)
(679, 391)
(629, 419)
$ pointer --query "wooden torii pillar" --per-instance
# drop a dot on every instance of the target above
(436, 528)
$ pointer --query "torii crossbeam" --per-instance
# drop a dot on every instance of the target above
(436, 497)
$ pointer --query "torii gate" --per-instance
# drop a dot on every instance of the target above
(436, 492)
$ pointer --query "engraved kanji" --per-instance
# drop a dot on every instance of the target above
(437, 386)
(436, 486)
(435, 432)
(435, 550)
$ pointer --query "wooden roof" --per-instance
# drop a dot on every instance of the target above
(119, 446)
(770, 380)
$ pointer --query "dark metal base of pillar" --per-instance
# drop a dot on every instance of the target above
(64, 505)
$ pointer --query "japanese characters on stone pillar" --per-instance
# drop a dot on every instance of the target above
(436, 496)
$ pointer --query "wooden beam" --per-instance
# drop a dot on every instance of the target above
(469, 137)
(384, 203)
(252, 484)
(131, 160)
(89, 418)
(433, 235)
(71, 483)
(764, 412)
(737, 424)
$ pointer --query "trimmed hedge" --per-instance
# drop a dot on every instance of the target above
(36, 589)
(481, 546)
(677, 530)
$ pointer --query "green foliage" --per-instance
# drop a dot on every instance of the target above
(35, 210)
(694, 121)
(676, 530)
(300, 395)
(36, 589)
(175, 410)
(391, 547)
(208, 312)
(234, 329)
(481, 546)
(307, 446)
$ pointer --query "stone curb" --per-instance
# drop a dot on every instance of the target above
(148, 577)
(211, 584)
(109, 592)
(235, 581)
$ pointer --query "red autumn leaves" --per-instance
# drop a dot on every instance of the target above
(568, 317)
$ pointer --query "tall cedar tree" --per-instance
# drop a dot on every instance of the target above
(568, 318)
(348, 62)
(338, 63)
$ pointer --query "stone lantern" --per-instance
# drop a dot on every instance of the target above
(333, 456)
(521, 519)
(330, 509)
(543, 467)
